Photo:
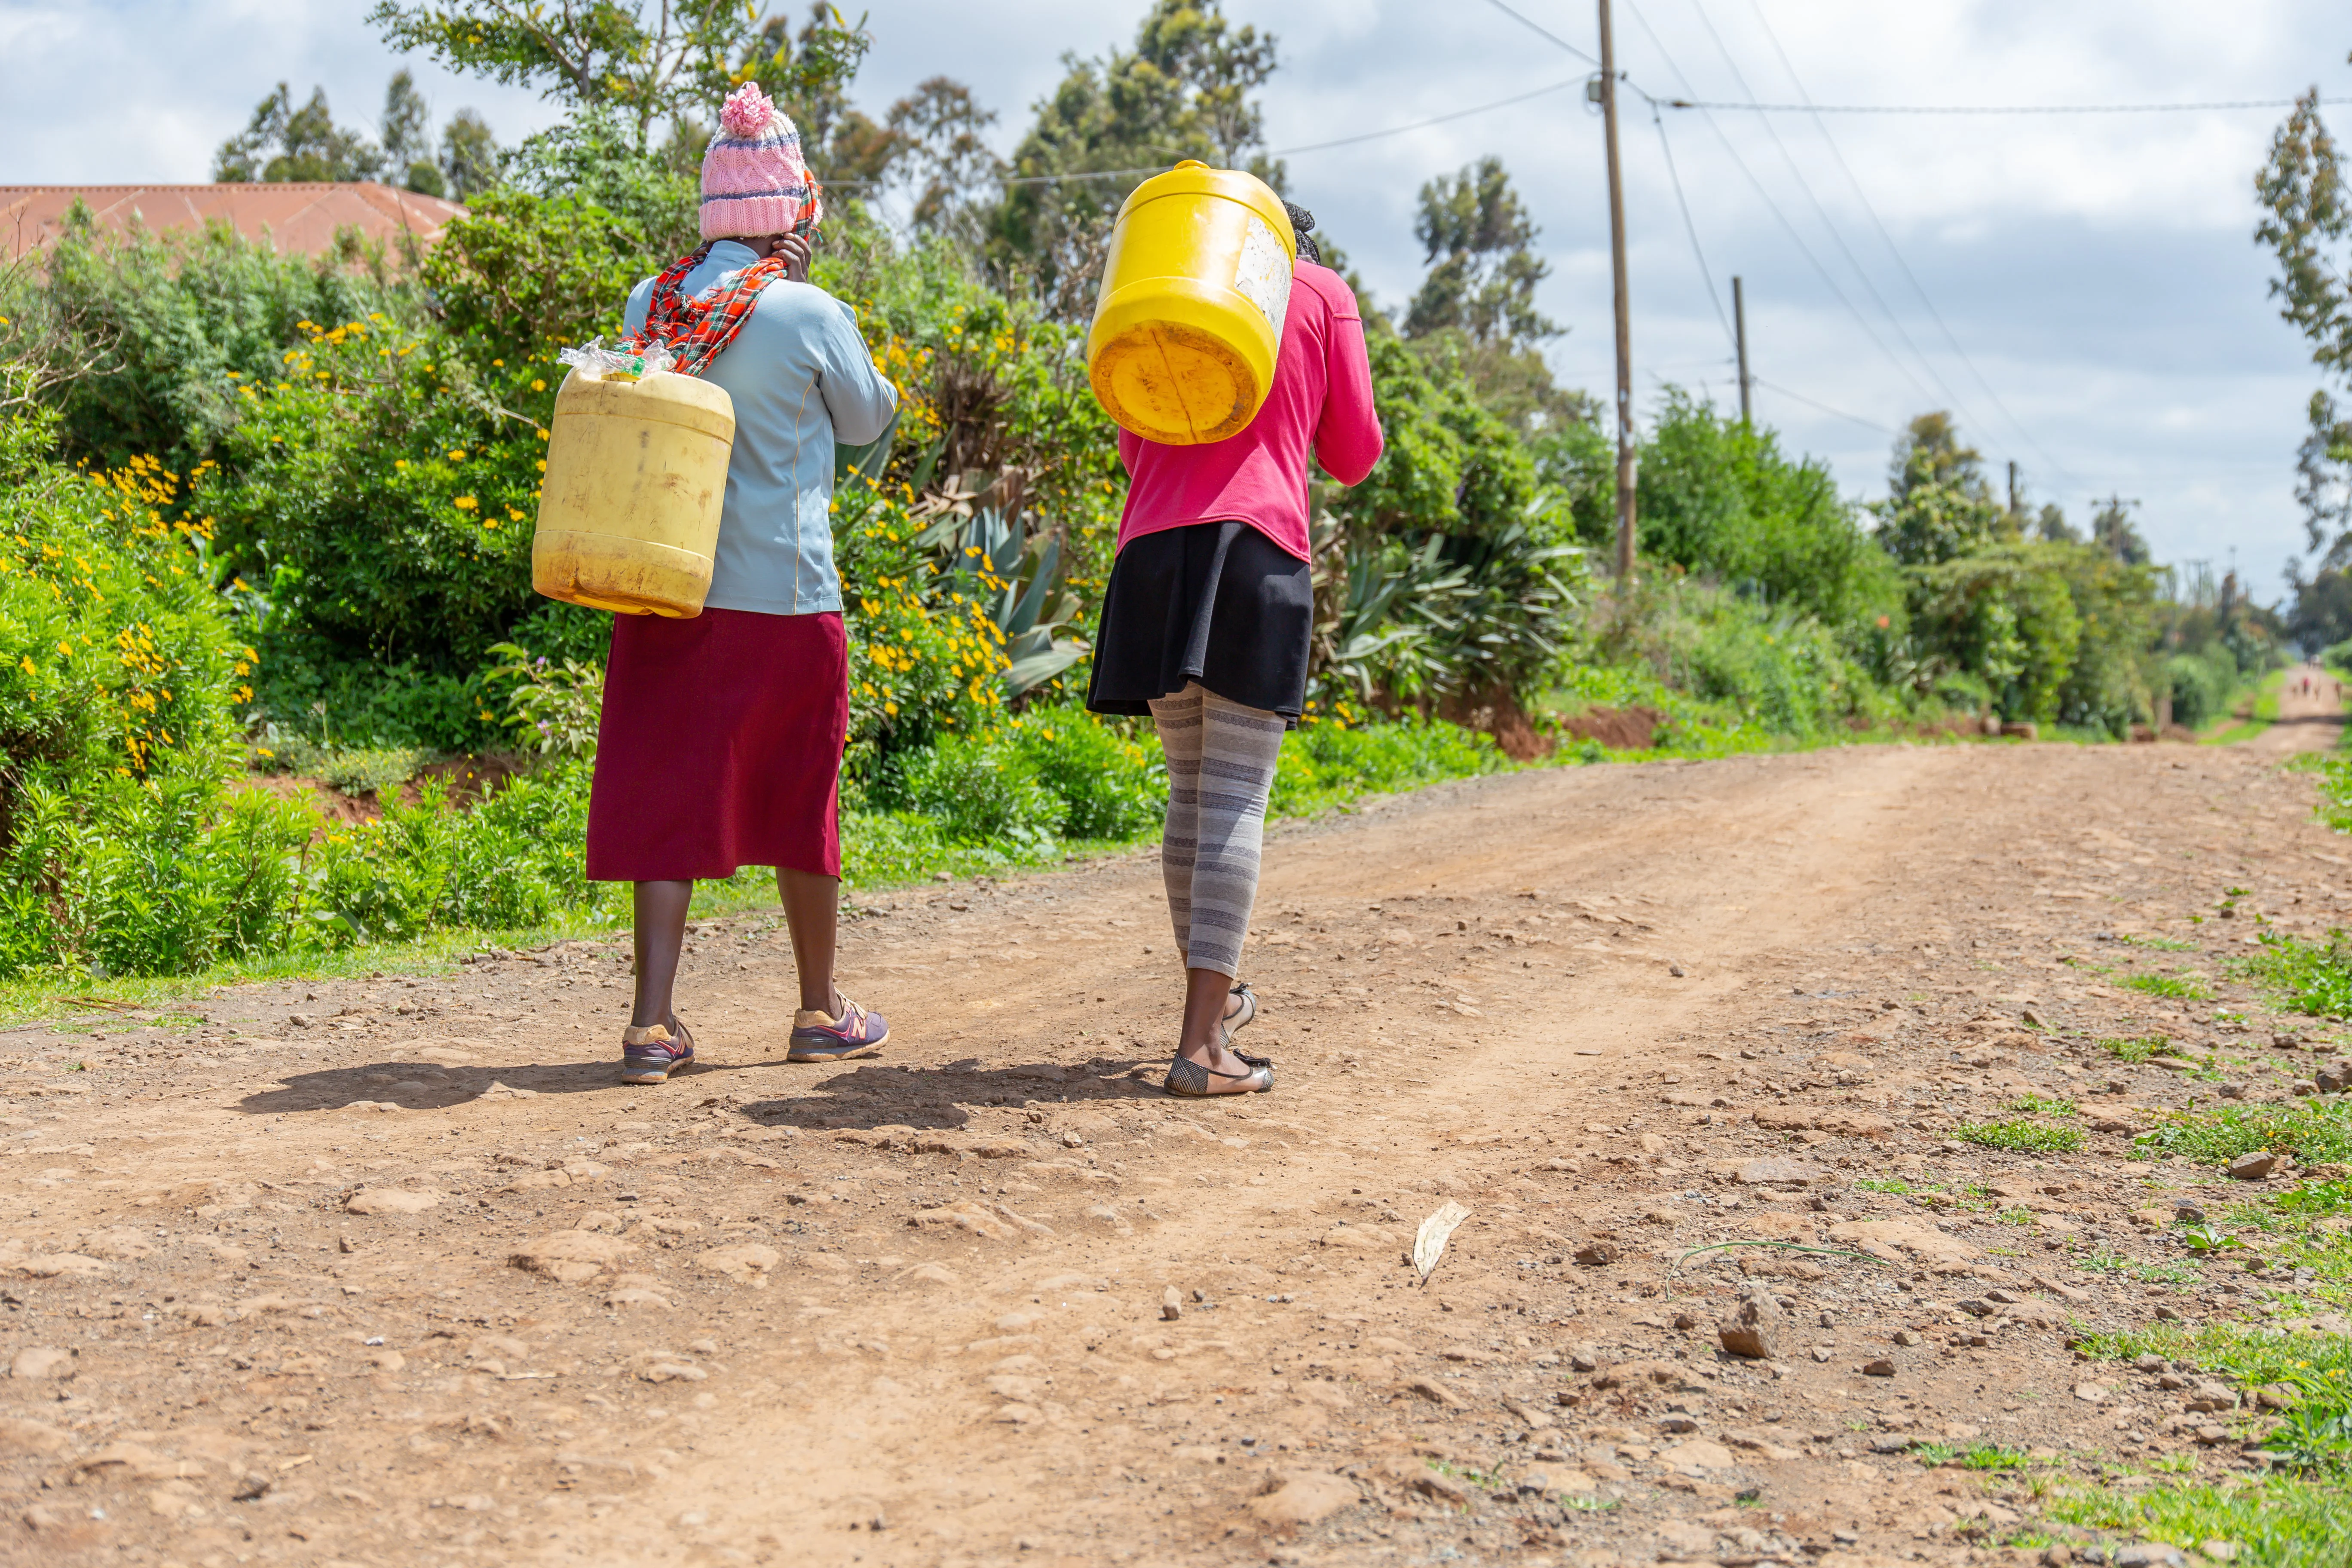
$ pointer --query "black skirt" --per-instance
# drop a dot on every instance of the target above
(1218, 602)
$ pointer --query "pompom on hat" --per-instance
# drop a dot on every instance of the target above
(754, 181)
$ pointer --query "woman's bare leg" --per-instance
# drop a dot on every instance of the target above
(811, 911)
(660, 917)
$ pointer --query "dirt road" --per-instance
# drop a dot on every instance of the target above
(2311, 713)
(395, 1273)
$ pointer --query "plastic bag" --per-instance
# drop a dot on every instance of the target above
(621, 362)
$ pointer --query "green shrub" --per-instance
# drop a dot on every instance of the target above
(981, 790)
(379, 496)
(1109, 786)
(1327, 765)
(1716, 496)
(515, 859)
(368, 771)
(2173, 987)
(118, 672)
(164, 328)
(2203, 685)
(2314, 977)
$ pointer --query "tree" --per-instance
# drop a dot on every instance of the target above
(2306, 221)
(1476, 306)
(844, 144)
(1940, 506)
(1479, 243)
(680, 59)
(2113, 531)
(1183, 92)
(470, 158)
(2050, 527)
(283, 143)
(2323, 612)
(940, 125)
(408, 137)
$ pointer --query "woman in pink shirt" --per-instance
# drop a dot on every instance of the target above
(1205, 626)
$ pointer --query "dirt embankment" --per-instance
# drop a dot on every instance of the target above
(393, 1272)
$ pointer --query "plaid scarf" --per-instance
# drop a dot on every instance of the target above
(695, 329)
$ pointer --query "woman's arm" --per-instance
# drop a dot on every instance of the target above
(1348, 436)
(859, 400)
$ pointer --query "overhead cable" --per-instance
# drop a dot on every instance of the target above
(1813, 402)
(1822, 272)
(1690, 229)
(1950, 398)
(1543, 32)
(1994, 107)
(1887, 238)
(1294, 152)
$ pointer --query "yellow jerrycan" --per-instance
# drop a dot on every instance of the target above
(637, 474)
(1194, 291)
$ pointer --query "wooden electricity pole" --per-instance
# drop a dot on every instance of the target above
(1739, 334)
(1624, 307)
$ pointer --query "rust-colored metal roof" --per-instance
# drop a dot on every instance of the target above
(299, 219)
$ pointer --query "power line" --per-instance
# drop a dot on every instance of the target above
(1787, 227)
(1829, 225)
(1839, 412)
(1426, 124)
(1546, 33)
(1809, 108)
(1887, 238)
(1283, 151)
(1690, 227)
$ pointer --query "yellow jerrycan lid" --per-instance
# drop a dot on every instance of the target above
(1194, 291)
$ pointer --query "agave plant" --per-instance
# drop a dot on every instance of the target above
(994, 561)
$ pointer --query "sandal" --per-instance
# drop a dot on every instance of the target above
(1189, 1079)
(1244, 1018)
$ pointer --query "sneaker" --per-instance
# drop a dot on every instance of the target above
(651, 1054)
(821, 1038)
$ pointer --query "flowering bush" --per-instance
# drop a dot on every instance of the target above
(924, 657)
(381, 490)
(120, 671)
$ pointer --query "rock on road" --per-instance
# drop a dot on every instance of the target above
(391, 1271)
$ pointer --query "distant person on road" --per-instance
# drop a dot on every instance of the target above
(722, 738)
(1205, 626)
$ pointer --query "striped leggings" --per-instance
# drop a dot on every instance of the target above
(1221, 758)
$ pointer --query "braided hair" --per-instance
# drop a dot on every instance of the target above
(1302, 224)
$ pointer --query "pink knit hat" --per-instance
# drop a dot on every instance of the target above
(753, 180)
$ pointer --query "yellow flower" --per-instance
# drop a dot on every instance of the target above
(456, 454)
(538, 386)
(400, 462)
(465, 503)
(28, 666)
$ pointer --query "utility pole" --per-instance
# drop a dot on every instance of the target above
(2013, 487)
(1624, 307)
(1739, 332)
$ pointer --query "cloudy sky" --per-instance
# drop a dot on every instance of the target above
(2081, 290)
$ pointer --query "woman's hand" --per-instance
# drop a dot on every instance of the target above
(795, 248)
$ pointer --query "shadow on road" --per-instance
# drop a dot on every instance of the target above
(873, 1094)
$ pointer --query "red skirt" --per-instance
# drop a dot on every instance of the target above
(720, 747)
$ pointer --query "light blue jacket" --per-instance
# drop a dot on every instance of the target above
(801, 378)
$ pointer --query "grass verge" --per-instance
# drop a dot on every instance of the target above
(1324, 767)
(2314, 1130)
